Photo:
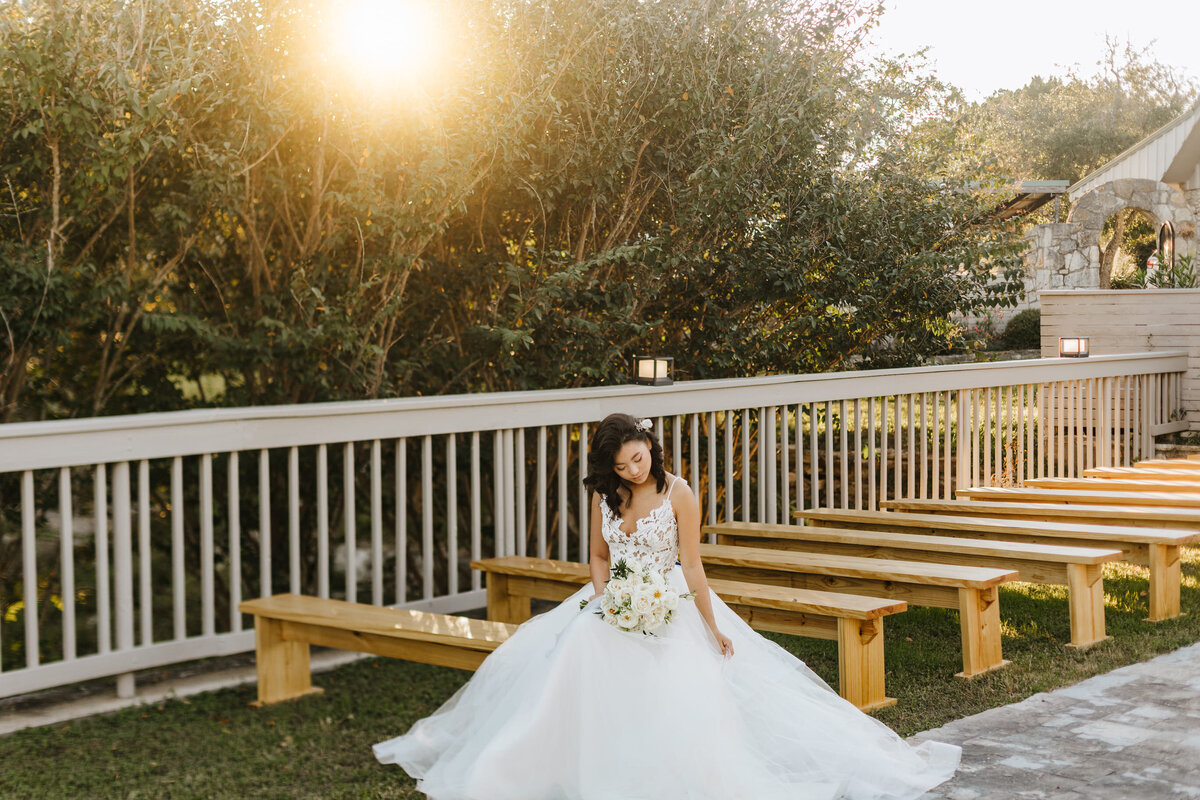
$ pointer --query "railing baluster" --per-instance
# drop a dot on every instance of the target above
(476, 512)
(145, 578)
(264, 527)
(829, 471)
(584, 509)
(785, 496)
(962, 469)
(29, 573)
(872, 503)
(322, 521)
(935, 473)
(694, 457)
(402, 520)
(427, 516)
(1083, 420)
(541, 492)
(564, 464)
(998, 443)
(948, 400)
(745, 465)
(123, 569)
(924, 445)
(844, 453)
(66, 555)
(376, 522)
(911, 434)
(207, 560)
(766, 462)
(235, 543)
(729, 505)
(983, 440)
(451, 514)
(712, 472)
(858, 487)
(521, 525)
(350, 523)
(178, 576)
(883, 448)
(294, 520)
(1018, 411)
(898, 447)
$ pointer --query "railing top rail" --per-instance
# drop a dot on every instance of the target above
(58, 443)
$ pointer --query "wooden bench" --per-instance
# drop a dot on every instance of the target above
(1031, 494)
(286, 624)
(1168, 463)
(971, 590)
(1144, 474)
(854, 622)
(1187, 519)
(1078, 568)
(1118, 485)
(1155, 548)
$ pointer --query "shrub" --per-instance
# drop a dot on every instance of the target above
(1024, 331)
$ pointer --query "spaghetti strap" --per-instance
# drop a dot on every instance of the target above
(674, 480)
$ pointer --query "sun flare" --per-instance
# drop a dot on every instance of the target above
(387, 40)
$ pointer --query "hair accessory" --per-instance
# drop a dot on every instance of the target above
(645, 424)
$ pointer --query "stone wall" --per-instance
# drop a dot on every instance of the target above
(1066, 255)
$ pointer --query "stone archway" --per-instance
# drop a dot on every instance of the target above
(1066, 255)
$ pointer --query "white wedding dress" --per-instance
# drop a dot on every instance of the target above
(571, 708)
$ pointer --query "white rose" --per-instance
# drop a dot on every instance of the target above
(627, 620)
(643, 602)
(670, 600)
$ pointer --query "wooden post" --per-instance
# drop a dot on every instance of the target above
(1164, 582)
(979, 615)
(282, 665)
(860, 663)
(1085, 595)
(502, 606)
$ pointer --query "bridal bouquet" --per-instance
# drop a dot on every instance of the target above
(638, 599)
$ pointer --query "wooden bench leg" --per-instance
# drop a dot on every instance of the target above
(860, 663)
(979, 615)
(282, 665)
(1164, 582)
(502, 606)
(1085, 596)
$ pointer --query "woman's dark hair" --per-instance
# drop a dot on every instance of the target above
(611, 434)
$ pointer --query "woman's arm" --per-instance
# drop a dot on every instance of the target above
(598, 563)
(687, 514)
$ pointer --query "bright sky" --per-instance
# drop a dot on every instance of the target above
(984, 46)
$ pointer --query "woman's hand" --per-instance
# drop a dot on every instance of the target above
(726, 644)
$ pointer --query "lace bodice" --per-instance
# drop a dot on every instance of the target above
(655, 540)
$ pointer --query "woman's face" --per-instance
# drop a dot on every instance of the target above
(632, 462)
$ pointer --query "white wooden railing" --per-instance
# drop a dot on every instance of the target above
(128, 542)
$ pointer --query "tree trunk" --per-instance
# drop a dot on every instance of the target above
(1108, 256)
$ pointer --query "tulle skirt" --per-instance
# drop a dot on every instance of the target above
(570, 708)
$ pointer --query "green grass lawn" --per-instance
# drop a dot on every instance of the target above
(217, 746)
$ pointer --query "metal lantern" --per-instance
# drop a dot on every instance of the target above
(1073, 347)
(653, 370)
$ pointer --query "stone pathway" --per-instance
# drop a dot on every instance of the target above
(1130, 734)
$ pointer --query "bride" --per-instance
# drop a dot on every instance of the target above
(573, 708)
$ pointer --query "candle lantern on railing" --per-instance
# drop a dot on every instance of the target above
(1073, 347)
(653, 370)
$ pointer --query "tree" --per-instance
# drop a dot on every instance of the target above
(197, 190)
(1064, 128)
